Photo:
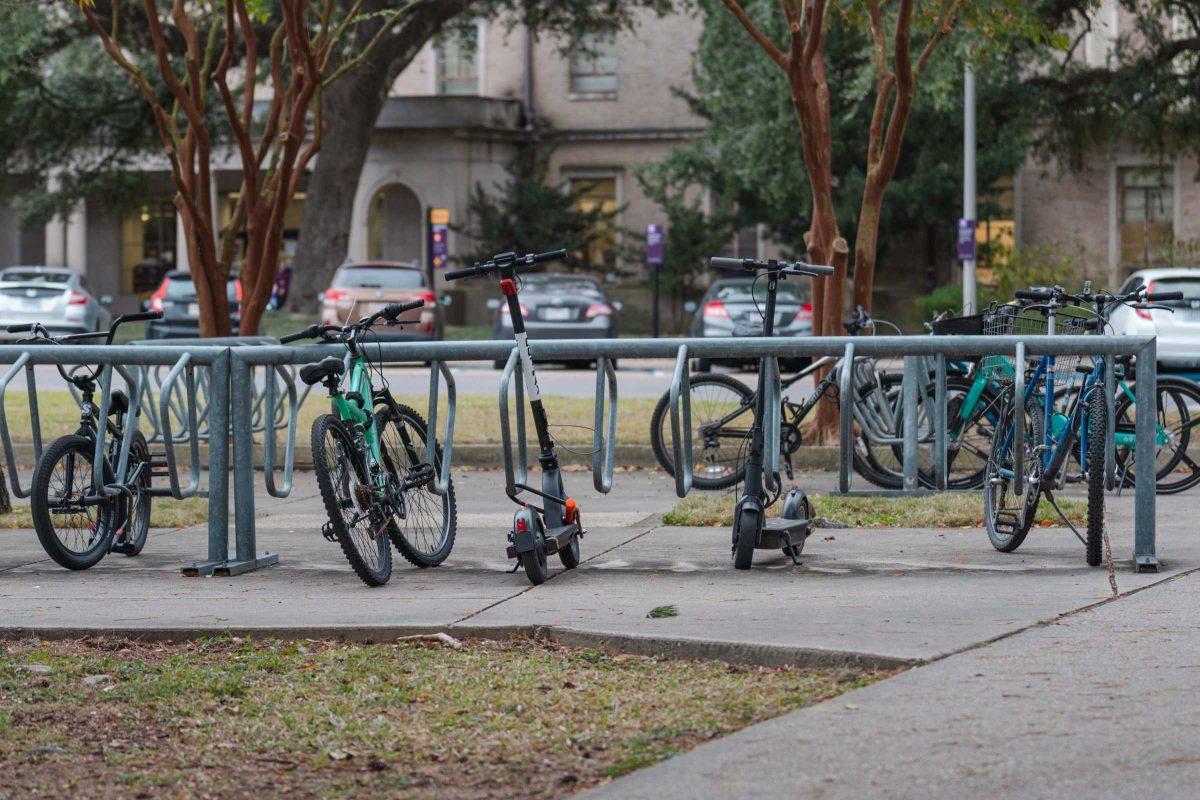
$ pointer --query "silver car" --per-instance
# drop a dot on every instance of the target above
(1178, 330)
(733, 307)
(57, 297)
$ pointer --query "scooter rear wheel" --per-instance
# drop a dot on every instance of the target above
(569, 555)
(534, 564)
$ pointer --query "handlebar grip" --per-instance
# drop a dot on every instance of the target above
(1023, 294)
(394, 310)
(720, 262)
(308, 333)
(23, 328)
(465, 272)
(1158, 297)
(138, 316)
(553, 255)
(814, 269)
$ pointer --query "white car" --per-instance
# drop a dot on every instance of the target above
(54, 296)
(1178, 330)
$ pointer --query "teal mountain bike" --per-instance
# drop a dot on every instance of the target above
(369, 456)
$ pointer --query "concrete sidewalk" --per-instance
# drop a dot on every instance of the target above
(1100, 704)
(886, 596)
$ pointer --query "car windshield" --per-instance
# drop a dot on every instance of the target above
(552, 284)
(740, 293)
(378, 278)
(1189, 286)
(34, 276)
(182, 286)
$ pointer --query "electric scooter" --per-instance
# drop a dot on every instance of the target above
(751, 528)
(555, 527)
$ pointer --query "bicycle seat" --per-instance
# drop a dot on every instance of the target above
(118, 403)
(325, 368)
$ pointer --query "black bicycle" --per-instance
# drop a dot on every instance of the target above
(723, 410)
(81, 516)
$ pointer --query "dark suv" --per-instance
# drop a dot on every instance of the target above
(175, 297)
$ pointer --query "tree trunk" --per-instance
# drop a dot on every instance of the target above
(866, 246)
(827, 416)
(352, 106)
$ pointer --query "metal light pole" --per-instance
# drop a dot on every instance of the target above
(970, 305)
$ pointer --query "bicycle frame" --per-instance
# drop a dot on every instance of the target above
(357, 383)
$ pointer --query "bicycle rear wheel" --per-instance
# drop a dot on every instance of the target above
(722, 413)
(135, 511)
(359, 528)
(1177, 413)
(74, 532)
(422, 524)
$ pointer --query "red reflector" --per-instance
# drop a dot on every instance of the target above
(508, 286)
(522, 526)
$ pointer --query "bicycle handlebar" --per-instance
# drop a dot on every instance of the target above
(789, 267)
(1158, 297)
(505, 260)
(389, 312)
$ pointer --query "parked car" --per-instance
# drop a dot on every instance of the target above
(175, 297)
(559, 307)
(1178, 330)
(58, 298)
(729, 309)
(359, 289)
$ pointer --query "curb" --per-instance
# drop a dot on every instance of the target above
(759, 655)
(489, 456)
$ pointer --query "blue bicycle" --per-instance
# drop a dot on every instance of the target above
(1051, 436)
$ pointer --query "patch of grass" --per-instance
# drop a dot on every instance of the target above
(244, 719)
(477, 422)
(462, 333)
(165, 512)
(950, 510)
(660, 612)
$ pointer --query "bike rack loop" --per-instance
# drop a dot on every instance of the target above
(34, 420)
(846, 419)
(183, 366)
(289, 454)
(771, 424)
(521, 474)
(1018, 413)
(604, 441)
(681, 422)
(441, 483)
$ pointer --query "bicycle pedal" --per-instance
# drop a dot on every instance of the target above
(327, 532)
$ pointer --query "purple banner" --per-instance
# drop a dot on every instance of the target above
(439, 237)
(654, 244)
(966, 240)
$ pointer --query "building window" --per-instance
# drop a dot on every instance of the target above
(147, 247)
(457, 55)
(1147, 198)
(598, 193)
(996, 229)
(744, 244)
(594, 67)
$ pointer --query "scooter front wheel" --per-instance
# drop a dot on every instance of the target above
(746, 527)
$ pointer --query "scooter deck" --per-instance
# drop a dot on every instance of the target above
(778, 532)
(555, 538)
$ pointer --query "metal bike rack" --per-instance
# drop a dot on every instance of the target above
(289, 454)
(681, 422)
(519, 475)
(35, 423)
(772, 425)
(604, 438)
(184, 367)
(441, 484)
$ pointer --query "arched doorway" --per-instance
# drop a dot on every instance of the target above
(394, 230)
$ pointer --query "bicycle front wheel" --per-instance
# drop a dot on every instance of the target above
(356, 524)
(722, 414)
(74, 531)
(1007, 515)
(422, 524)
(1097, 433)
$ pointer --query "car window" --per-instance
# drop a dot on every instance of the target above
(184, 287)
(740, 292)
(34, 276)
(1130, 285)
(378, 278)
(564, 286)
(1189, 286)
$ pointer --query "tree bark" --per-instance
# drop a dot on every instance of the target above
(827, 411)
(352, 106)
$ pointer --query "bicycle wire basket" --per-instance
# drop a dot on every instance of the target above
(1013, 320)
